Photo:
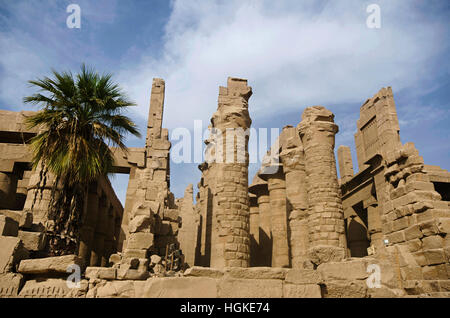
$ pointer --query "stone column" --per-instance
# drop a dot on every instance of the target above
(345, 163)
(293, 159)
(259, 188)
(254, 231)
(326, 218)
(22, 190)
(42, 200)
(375, 227)
(230, 244)
(277, 193)
(88, 224)
(109, 239)
(98, 245)
(8, 185)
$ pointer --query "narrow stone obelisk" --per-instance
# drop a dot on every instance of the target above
(326, 218)
(187, 234)
(230, 243)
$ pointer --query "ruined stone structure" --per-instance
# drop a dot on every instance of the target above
(296, 231)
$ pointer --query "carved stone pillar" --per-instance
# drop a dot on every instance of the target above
(98, 244)
(88, 224)
(259, 188)
(230, 243)
(278, 212)
(326, 218)
(110, 243)
(254, 231)
(293, 159)
(8, 185)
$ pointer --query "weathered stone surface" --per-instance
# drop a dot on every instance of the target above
(256, 272)
(140, 223)
(324, 254)
(115, 259)
(132, 274)
(107, 273)
(32, 241)
(10, 284)
(8, 226)
(11, 253)
(348, 270)
(57, 264)
(301, 291)
(23, 218)
(304, 276)
(250, 288)
(140, 240)
(180, 287)
(115, 289)
(345, 289)
(155, 259)
(52, 288)
(385, 292)
(197, 271)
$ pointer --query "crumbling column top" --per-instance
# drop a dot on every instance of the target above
(317, 115)
(258, 185)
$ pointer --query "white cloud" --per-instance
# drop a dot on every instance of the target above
(293, 53)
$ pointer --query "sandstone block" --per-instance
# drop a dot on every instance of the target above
(180, 287)
(132, 274)
(413, 232)
(107, 273)
(348, 270)
(301, 291)
(23, 218)
(250, 288)
(48, 265)
(140, 240)
(324, 254)
(155, 259)
(33, 241)
(432, 242)
(435, 256)
(444, 225)
(133, 253)
(198, 271)
(130, 263)
(8, 226)
(115, 259)
(436, 272)
(140, 223)
(48, 288)
(256, 272)
(116, 289)
(11, 253)
(10, 284)
(304, 276)
(345, 289)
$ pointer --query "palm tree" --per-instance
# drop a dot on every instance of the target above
(81, 117)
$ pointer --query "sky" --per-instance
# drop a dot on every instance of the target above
(294, 53)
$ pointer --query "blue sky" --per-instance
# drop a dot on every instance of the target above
(294, 54)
